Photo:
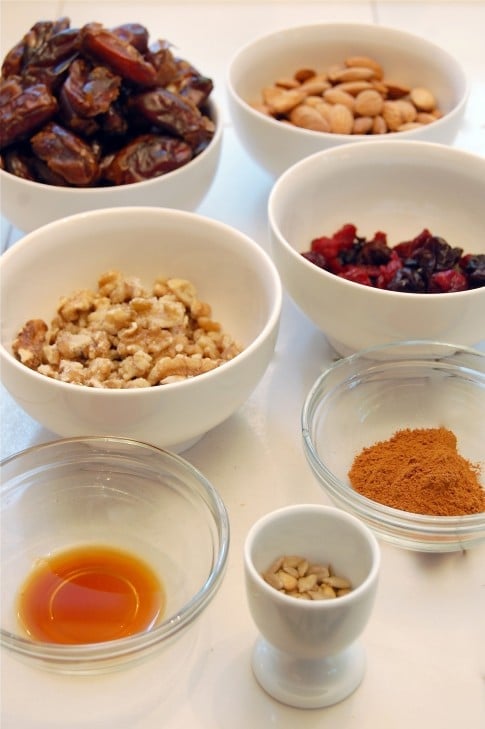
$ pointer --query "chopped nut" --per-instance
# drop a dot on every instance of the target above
(297, 577)
(123, 336)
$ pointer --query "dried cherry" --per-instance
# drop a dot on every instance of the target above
(425, 264)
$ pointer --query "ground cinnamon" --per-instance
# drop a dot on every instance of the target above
(420, 471)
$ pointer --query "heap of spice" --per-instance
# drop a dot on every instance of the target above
(421, 471)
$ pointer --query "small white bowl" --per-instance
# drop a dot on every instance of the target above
(29, 205)
(309, 653)
(230, 272)
(408, 58)
(399, 188)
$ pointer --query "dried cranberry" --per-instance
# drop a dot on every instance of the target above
(445, 282)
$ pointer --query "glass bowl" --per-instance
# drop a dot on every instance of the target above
(366, 398)
(128, 496)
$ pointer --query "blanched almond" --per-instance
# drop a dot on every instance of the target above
(422, 99)
(365, 62)
(355, 87)
(392, 115)
(396, 90)
(407, 110)
(335, 95)
(368, 103)
(357, 73)
(308, 117)
(281, 101)
(341, 119)
(362, 125)
(379, 125)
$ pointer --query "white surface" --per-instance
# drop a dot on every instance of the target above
(425, 642)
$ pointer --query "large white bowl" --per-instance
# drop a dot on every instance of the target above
(400, 188)
(230, 271)
(408, 58)
(29, 205)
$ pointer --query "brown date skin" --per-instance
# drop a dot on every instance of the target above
(66, 154)
(90, 91)
(133, 33)
(23, 111)
(147, 156)
(171, 112)
(118, 54)
(191, 84)
(31, 45)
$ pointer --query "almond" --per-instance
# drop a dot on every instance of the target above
(365, 62)
(392, 115)
(281, 101)
(303, 74)
(407, 110)
(341, 119)
(356, 73)
(355, 87)
(368, 103)
(395, 90)
(422, 99)
(379, 125)
(308, 117)
(335, 95)
(362, 125)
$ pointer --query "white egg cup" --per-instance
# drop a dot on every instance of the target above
(308, 654)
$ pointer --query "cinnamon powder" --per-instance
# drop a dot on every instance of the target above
(420, 471)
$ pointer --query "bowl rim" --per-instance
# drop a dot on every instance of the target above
(248, 351)
(377, 30)
(92, 656)
(462, 158)
(457, 529)
(108, 190)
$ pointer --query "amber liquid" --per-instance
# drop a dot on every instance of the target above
(90, 594)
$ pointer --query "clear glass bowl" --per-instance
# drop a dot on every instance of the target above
(367, 397)
(121, 493)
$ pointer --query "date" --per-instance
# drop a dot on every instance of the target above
(147, 156)
(66, 155)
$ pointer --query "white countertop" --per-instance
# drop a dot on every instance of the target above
(425, 642)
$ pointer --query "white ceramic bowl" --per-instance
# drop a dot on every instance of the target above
(413, 60)
(230, 271)
(29, 205)
(128, 496)
(367, 397)
(308, 653)
(400, 188)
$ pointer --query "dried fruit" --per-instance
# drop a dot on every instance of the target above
(426, 264)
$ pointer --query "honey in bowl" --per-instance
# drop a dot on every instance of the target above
(90, 594)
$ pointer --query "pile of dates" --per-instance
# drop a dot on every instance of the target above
(427, 264)
(93, 106)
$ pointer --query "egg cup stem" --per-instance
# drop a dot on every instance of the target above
(308, 683)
